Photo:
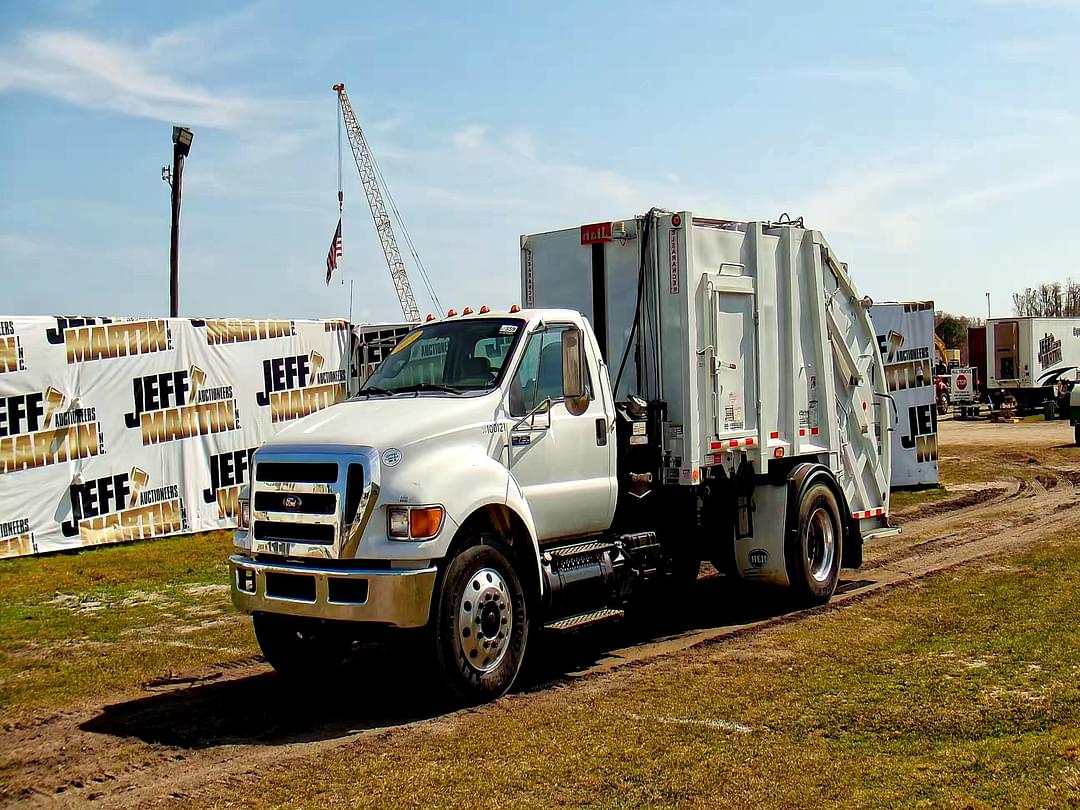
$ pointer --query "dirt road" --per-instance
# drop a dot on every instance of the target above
(203, 735)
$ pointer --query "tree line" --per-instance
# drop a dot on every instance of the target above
(1049, 300)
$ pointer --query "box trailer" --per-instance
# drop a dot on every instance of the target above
(503, 473)
(1028, 357)
(905, 335)
(749, 335)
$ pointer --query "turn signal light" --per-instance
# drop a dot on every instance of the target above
(425, 522)
(413, 522)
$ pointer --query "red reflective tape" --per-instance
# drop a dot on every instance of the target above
(774, 435)
(814, 431)
(715, 446)
(749, 442)
(802, 431)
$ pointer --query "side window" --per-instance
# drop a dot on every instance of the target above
(549, 382)
(539, 376)
(523, 386)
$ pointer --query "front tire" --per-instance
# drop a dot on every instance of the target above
(299, 648)
(815, 547)
(481, 624)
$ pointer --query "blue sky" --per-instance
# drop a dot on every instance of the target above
(934, 143)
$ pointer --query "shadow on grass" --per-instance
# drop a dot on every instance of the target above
(380, 691)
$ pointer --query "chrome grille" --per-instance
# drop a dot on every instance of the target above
(312, 500)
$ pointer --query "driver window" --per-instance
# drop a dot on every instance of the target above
(523, 388)
(539, 376)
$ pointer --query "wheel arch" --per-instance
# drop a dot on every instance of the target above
(499, 519)
(802, 476)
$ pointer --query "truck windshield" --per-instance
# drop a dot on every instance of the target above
(454, 357)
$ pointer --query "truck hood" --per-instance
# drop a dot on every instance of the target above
(383, 422)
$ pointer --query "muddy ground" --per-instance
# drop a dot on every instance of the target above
(205, 735)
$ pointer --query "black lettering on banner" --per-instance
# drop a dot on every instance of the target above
(283, 374)
(21, 413)
(228, 469)
(922, 432)
(55, 335)
(156, 391)
(92, 498)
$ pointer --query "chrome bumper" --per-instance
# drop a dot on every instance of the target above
(400, 598)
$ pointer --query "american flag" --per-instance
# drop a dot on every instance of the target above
(334, 256)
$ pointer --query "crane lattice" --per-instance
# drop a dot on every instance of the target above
(365, 164)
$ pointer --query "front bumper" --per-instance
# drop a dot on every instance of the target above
(396, 597)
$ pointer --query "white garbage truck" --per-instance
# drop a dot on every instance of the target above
(676, 389)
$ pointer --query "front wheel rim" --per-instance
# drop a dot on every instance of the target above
(485, 620)
(820, 544)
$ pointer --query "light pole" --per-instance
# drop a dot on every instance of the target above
(182, 137)
(988, 306)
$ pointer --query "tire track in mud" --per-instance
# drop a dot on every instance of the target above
(208, 732)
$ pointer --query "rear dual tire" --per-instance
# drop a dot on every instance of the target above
(815, 544)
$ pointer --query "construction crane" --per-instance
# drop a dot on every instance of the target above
(370, 177)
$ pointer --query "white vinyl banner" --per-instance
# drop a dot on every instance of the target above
(123, 429)
(905, 333)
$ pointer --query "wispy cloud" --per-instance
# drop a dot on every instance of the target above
(470, 136)
(890, 75)
(129, 79)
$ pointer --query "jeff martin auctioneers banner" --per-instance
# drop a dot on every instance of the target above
(116, 429)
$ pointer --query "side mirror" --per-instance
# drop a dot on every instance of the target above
(573, 372)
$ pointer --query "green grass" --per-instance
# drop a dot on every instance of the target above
(77, 626)
(963, 691)
(903, 499)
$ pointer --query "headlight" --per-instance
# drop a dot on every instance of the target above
(243, 514)
(413, 522)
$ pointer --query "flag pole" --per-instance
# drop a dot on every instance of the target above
(350, 302)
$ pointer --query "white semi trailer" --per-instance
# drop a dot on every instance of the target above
(678, 389)
(1028, 357)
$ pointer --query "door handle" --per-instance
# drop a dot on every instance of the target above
(601, 432)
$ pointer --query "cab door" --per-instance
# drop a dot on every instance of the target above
(563, 462)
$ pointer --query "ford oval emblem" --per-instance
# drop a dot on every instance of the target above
(391, 456)
(291, 502)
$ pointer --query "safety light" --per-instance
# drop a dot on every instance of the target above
(467, 311)
(429, 317)
(413, 522)
(484, 310)
(182, 137)
(676, 220)
(451, 313)
(515, 308)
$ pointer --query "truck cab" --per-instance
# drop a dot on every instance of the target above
(490, 429)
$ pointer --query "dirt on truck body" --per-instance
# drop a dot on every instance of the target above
(208, 735)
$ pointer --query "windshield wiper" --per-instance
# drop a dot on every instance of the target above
(374, 389)
(429, 387)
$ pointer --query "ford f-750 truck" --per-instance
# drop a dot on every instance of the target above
(677, 389)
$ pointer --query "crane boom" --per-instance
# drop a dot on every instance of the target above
(365, 165)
